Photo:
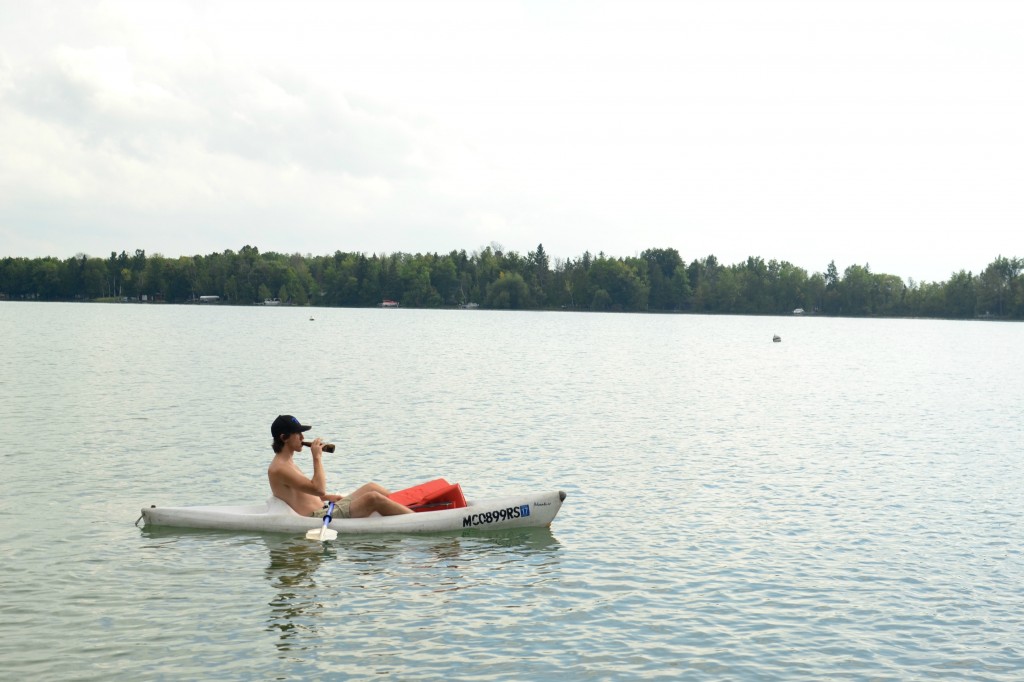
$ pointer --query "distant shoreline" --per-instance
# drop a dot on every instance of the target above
(657, 281)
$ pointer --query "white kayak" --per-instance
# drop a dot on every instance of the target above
(495, 513)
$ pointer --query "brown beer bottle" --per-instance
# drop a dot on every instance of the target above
(328, 447)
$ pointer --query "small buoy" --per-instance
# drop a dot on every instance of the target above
(311, 319)
(776, 338)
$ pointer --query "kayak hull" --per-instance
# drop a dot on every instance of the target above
(275, 516)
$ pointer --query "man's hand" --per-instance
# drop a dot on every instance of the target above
(317, 448)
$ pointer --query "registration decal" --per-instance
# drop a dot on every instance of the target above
(496, 516)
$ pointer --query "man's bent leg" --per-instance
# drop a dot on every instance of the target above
(373, 501)
(371, 488)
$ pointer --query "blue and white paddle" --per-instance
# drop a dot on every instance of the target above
(323, 533)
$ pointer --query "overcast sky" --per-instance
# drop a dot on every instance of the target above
(884, 133)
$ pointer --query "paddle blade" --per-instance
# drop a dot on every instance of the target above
(321, 534)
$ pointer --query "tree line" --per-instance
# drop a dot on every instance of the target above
(658, 280)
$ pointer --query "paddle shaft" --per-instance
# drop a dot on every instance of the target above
(327, 520)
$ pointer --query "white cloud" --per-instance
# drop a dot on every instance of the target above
(853, 131)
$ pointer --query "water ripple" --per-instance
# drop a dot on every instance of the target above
(844, 506)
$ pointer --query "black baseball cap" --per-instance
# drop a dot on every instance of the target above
(287, 424)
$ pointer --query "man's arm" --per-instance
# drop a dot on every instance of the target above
(319, 480)
(292, 477)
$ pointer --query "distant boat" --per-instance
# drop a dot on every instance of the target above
(209, 299)
(777, 338)
(387, 303)
(798, 311)
(469, 306)
(271, 301)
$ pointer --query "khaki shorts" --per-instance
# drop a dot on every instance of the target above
(341, 510)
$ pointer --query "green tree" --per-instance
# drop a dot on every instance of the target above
(995, 286)
(46, 280)
(662, 269)
(682, 295)
(621, 283)
(961, 295)
(815, 300)
(703, 276)
(726, 292)
(890, 295)
(602, 301)
(509, 291)
(856, 291)
(94, 278)
(793, 289)
(444, 279)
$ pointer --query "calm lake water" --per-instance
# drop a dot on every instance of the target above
(846, 504)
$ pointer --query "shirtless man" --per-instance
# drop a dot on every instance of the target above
(308, 496)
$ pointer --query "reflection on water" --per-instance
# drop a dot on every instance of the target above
(361, 577)
(540, 540)
(292, 570)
